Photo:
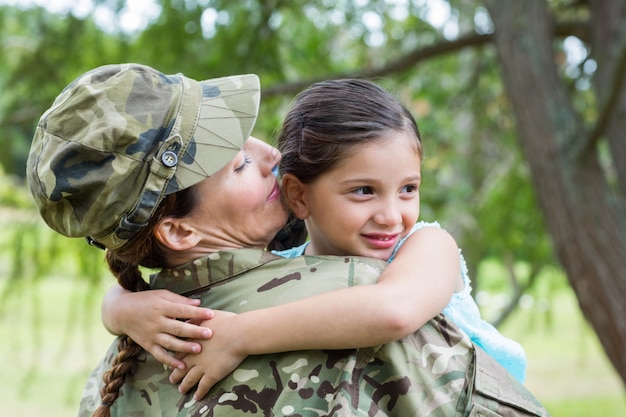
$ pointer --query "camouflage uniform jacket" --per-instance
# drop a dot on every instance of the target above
(435, 371)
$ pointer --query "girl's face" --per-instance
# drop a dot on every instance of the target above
(366, 204)
(240, 205)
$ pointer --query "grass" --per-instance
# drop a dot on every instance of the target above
(567, 368)
(52, 337)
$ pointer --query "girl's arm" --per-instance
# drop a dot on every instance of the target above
(414, 288)
(149, 318)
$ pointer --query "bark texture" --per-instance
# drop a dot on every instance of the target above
(584, 208)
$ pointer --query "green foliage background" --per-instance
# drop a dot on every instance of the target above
(476, 183)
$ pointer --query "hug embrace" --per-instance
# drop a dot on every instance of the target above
(161, 172)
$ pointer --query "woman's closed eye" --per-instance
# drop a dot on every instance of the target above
(246, 161)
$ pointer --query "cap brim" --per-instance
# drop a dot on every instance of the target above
(228, 112)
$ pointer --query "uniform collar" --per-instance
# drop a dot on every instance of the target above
(210, 270)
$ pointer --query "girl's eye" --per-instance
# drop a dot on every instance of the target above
(363, 190)
(246, 161)
(411, 188)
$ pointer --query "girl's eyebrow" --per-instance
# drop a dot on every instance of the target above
(410, 178)
(358, 179)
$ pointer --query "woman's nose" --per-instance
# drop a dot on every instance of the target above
(268, 155)
(276, 156)
(270, 161)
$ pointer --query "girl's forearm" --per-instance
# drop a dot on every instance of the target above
(336, 320)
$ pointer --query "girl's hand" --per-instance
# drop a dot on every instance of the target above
(153, 320)
(219, 357)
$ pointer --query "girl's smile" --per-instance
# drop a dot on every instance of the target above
(382, 241)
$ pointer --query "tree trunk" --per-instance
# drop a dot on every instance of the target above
(608, 40)
(584, 214)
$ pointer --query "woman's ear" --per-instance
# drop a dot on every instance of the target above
(295, 193)
(176, 234)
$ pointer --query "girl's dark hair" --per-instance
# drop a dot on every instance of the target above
(325, 123)
(142, 250)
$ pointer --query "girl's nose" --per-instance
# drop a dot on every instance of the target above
(388, 214)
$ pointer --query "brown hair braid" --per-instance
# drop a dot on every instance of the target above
(145, 250)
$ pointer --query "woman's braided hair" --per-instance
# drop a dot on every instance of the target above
(142, 250)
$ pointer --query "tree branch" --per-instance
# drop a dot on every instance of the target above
(518, 289)
(399, 65)
(408, 61)
(606, 110)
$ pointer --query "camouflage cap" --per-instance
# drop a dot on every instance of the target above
(121, 137)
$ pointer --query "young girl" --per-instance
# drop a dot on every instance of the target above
(338, 159)
(351, 169)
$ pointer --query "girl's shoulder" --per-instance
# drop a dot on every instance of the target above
(464, 271)
(422, 224)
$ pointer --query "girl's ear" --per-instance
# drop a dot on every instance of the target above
(295, 193)
(176, 234)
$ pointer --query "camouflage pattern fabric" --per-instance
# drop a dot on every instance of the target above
(436, 371)
(121, 137)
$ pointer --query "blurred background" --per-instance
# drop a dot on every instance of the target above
(521, 106)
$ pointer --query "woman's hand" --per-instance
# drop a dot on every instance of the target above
(219, 357)
(153, 320)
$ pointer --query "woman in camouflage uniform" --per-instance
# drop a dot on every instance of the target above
(125, 154)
